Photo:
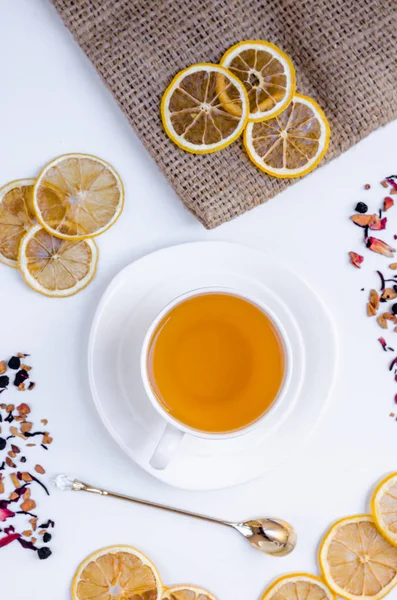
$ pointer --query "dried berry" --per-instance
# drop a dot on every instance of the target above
(367, 186)
(387, 203)
(4, 381)
(14, 363)
(44, 552)
(356, 259)
(47, 537)
(361, 207)
(3, 443)
(20, 377)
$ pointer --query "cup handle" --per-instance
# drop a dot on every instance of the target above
(166, 448)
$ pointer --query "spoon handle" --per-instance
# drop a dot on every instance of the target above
(85, 487)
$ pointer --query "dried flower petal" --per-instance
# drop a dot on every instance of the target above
(384, 183)
(380, 247)
(356, 259)
(5, 514)
(379, 225)
(8, 539)
(3, 367)
(382, 342)
(387, 203)
(39, 469)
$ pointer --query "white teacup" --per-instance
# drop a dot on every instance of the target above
(174, 431)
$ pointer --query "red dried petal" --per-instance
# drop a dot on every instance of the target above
(8, 539)
(382, 342)
(356, 259)
(5, 513)
(380, 247)
(379, 225)
(387, 203)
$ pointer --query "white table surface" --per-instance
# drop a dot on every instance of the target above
(52, 102)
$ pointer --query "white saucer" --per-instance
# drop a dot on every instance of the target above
(126, 310)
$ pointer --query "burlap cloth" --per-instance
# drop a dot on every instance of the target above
(344, 52)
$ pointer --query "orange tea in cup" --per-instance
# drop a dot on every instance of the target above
(216, 362)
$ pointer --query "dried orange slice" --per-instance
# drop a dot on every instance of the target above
(55, 267)
(357, 562)
(16, 218)
(298, 586)
(291, 144)
(194, 116)
(77, 196)
(117, 573)
(187, 592)
(384, 508)
(267, 74)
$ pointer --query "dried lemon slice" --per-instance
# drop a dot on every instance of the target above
(194, 116)
(55, 267)
(16, 218)
(357, 561)
(77, 196)
(267, 74)
(117, 573)
(293, 143)
(384, 508)
(187, 592)
(298, 586)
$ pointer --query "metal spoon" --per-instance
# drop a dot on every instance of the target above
(270, 536)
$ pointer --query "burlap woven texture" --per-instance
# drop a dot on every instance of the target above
(344, 53)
